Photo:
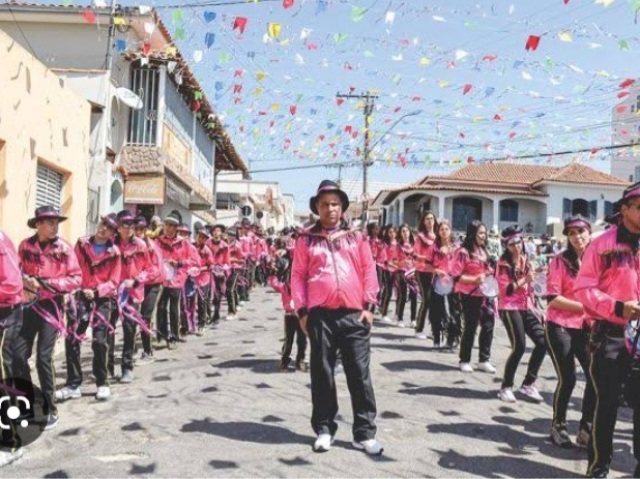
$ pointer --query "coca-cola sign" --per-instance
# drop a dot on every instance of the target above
(144, 190)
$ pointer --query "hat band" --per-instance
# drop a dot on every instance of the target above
(631, 194)
(514, 238)
(578, 224)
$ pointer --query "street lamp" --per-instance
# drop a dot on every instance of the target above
(366, 163)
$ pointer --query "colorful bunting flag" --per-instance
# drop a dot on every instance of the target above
(532, 43)
(240, 23)
(274, 29)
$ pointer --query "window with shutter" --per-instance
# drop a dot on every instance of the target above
(608, 208)
(567, 206)
(593, 210)
(48, 187)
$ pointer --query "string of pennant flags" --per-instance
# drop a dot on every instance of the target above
(273, 82)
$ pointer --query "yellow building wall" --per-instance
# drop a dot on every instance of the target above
(40, 121)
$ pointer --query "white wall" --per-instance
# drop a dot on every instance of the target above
(557, 192)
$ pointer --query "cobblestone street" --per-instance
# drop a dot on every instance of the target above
(219, 407)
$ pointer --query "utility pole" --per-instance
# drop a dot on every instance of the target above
(369, 99)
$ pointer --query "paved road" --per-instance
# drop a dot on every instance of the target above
(219, 407)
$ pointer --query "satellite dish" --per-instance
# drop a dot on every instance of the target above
(129, 98)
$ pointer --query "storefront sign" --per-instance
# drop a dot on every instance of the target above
(144, 190)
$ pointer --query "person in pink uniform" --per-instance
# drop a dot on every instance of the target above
(100, 261)
(470, 268)
(50, 270)
(155, 277)
(136, 263)
(516, 308)
(568, 329)
(443, 313)
(608, 286)
(389, 257)
(237, 264)
(334, 289)
(425, 240)
(221, 269)
(203, 280)
(405, 264)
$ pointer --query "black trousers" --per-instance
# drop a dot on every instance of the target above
(111, 342)
(476, 311)
(217, 283)
(425, 281)
(151, 292)
(387, 291)
(379, 272)
(519, 325)
(444, 318)
(340, 330)
(292, 329)
(129, 330)
(232, 291)
(10, 324)
(34, 325)
(565, 346)
(403, 291)
(204, 305)
(611, 367)
(169, 314)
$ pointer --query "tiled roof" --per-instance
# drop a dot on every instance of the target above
(577, 173)
(503, 173)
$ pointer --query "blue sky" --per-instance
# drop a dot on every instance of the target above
(462, 64)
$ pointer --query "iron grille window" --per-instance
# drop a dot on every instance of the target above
(48, 187)
(143, 123)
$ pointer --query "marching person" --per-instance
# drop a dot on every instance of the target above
(568, 329)
(155, 276)
(334, 290)
(11, 298)
(96, 302)
(424, 269)
(443, 313)
(237, 263)
(50, 270)
(176, 259)
(203, 280)
(515, 306)
(471, 268)
(405, 264)
(389, 257)
(607, 287)
(136, 263)
(221, 269)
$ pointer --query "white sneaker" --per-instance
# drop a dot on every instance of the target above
(8, 457)
(421, 336)
(231, 317)
(531, 392)
(370, 446)
(387, 320)
(323, 443)
(103, 393)
(68, 393)
(506, 395)
(339, 369)
(487, 367)
(241, 304)
(466, 368)
(413, 324)
(401, 324)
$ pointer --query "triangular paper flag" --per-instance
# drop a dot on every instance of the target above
(209, 16)
(565, 36)
(177, 15)
(389, 17)
(357, 13)
(209, 39)
(532, 43)
(304, 33)
(240, 23)
(274, 29)
(287, 3)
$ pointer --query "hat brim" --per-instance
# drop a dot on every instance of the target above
(343, 198)
(171, 221)
(109, 222)
(222, 228)
(31, 223)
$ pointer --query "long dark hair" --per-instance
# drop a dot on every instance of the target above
(443, 221)
(371, 227)
(470, 238)
(385, 233)
(508, 257)
(400, 240)
(421, 227)
(572, 258)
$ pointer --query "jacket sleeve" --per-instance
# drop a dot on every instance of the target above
(72, 280)
(145, 273)
(109, 288)
(587, 288)
(10, 274)
(369, 276)
(154, 262)
(277, 286)
(299, 275)
(554, 278)
(458, 263)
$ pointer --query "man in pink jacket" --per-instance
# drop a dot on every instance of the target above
(334, 289)
(608, 286)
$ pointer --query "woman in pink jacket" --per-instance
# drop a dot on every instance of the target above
(405, 263)
(443, 314)
(425, 241)
(470, 269)
(568, 330)
(515, 305)
(389, 257)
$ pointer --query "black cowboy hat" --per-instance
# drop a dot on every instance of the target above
(110, 220)
(576, 221)
(125, 216)
(511, 233)
(328, 186)
(43, 213)
(140, 222)
(221, 227)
